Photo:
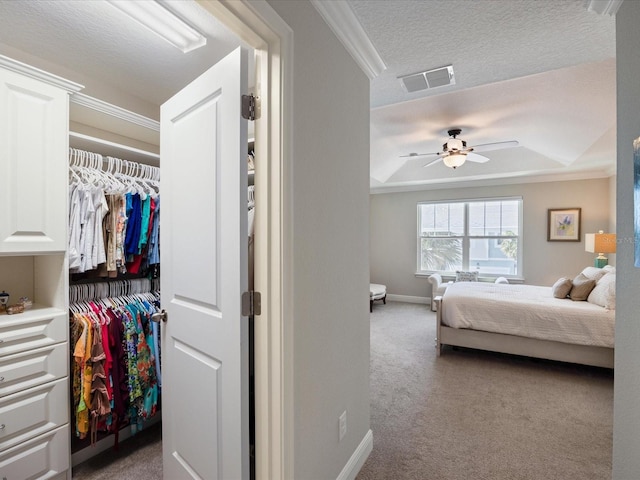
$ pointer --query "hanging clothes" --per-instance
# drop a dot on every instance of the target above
(116, 363)
(112, 216)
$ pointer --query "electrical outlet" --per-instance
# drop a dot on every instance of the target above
(342, 426)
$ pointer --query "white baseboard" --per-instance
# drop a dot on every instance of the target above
(408, 299)
(358, 458)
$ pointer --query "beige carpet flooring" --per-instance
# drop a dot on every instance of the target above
(467, 415)
(138, 458)
(478, 415)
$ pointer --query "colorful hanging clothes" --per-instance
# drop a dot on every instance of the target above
(113, 234)
(115, 366)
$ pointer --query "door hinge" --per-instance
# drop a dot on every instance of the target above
(248, 107)
(251, 304)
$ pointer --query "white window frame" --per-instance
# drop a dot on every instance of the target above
(466, 238)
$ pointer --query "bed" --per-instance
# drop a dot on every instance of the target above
(525, 320)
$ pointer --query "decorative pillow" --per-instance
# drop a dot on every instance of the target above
(593, 273)
(503, 280)
(582, 287)
(609, 269)
(466, 276)
(562, 287)
(604, 293)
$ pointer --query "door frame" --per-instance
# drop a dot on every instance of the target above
(257, 23)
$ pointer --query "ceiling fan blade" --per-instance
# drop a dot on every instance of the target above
(474, 157)
(434, 162)
(485, 147)
(414, 154)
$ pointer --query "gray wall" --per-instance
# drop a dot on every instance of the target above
(331, 245)
(394, 230)
(626, 431)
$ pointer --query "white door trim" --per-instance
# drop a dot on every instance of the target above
(257, 23)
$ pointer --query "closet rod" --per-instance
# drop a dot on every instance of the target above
(108, 143)
(94, 291)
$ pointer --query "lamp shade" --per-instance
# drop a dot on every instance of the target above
(455, 160)
(600, 242)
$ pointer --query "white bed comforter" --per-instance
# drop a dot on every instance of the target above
(526, 311)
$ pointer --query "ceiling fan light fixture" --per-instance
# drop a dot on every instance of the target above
(454, 144)
(454, 160)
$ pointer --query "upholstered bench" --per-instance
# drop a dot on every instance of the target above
(377, 292)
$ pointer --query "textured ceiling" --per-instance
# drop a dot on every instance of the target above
(486, 41)
(541, 72)
(101, 43)
(557, 117)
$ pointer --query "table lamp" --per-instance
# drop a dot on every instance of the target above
(600, 243)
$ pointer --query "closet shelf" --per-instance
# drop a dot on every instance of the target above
(34, 314)
(113, 149)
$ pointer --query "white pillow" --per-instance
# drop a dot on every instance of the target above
(466, 276)
(593, 273)
(604, 293)
(609, 269)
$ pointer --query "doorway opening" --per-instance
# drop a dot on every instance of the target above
(258, 25)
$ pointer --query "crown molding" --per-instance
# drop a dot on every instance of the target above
(37, 74)
(115, 111)
(489, 182)
(344, 23)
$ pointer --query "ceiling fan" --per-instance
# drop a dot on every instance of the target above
(455, 151)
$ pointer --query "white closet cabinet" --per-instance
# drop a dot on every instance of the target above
(34, 123)
(34, 351)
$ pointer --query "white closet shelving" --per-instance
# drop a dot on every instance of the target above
(35, 431)
(112, 149)
(34, 382)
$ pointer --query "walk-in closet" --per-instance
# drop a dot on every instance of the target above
(92, 308)
(114, 292)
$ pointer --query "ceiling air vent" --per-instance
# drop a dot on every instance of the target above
(438, 77)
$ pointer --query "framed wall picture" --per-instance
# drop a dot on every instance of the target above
(563, 225)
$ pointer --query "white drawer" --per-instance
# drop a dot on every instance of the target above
(44, 457)
(35, 367)
(31, 412)
(32, 329)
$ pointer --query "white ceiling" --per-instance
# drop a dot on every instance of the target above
(108, 50)
(541, 72)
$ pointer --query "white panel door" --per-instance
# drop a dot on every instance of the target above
(204, 272)
(34, 123)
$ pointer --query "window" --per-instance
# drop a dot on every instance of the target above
(483, 235)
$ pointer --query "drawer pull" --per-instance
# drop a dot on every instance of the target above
(1, 379)
(2, 426)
